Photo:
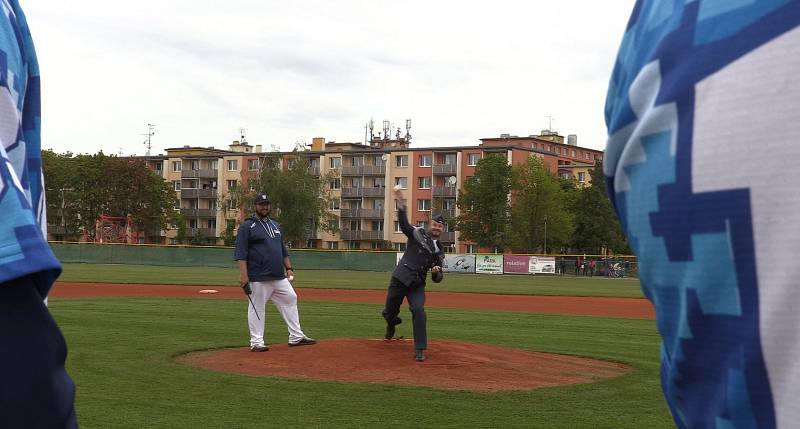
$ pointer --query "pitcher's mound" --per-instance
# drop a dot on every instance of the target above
(449, 364)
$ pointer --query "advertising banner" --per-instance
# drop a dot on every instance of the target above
(489, 264)
(515, 264)
(542, 265)
(459, 264)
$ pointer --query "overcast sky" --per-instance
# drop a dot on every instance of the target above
(287, 71)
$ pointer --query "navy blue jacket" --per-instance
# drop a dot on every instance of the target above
(419, 256)
(260, 243)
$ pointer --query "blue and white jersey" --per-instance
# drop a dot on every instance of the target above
(703, 114)
(23, 248)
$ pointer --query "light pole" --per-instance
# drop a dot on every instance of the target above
(545, 235)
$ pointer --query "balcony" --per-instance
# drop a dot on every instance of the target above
(375, 192)
(353, 170)
(352, 192)
(445, 169)
(199, 212)
(365, 213)
(203, 174)
(198, 193)
(362, 235)
(374, 170)
(448, 237)
(444, 191)
(205, 232)
(447, 213)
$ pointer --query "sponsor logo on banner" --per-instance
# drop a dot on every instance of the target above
(542, 265)
(399, 257)
(489, 264)
(459, 264)
(515, 264)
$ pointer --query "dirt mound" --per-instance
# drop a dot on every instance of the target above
(450, 365)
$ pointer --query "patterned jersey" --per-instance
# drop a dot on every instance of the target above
(23, 248)
(703, 114)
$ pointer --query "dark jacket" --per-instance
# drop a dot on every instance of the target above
(419, 256)
(260, 243)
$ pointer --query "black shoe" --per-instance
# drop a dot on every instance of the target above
(420, 356)
(389, 332)
(259, 348)
(305, 341)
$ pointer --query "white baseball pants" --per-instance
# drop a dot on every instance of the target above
(285, 299)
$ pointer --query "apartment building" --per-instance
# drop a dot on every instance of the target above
(360, 182)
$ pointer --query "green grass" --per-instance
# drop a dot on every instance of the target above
(120, 355)
(507, 284)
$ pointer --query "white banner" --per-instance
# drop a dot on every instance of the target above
(542, 265)
(459, 264)
(489, 264)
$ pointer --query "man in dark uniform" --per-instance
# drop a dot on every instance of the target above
(423, 253)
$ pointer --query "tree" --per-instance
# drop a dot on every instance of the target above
(484, 205)
(596, 224)
(180, 236)
(538, 209)
(298, 197)
(229, 238)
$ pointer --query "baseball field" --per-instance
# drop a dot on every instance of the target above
(146, 349)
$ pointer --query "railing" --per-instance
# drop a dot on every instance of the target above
(362, 235)
(445, 169)
(201, 193)
(448, 237)
(367, 213)
(444, 191)
(447, 213)
(353, 170)
(206, 174)
(206, 232)
(199, 212)
(375, 192)
(374, 170)
(352, 192)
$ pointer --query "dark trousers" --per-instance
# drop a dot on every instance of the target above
(35, 390)
(416, 301)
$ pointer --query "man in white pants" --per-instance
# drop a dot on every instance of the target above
(262, 256)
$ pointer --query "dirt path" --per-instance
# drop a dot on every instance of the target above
(633, 308)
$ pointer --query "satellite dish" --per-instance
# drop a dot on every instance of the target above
(452, 180)
(384, 157)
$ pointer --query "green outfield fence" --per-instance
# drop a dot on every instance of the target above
(309, 259)
(215, 256)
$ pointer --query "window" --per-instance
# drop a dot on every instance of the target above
(233, 165)
(214, 164)
(192, 223)
(402, 181)
(177, 205)
(356, 182)
(401, 160)
(377, 245)
(424, 205)
(333, 245)
(333, 225)
(472, 248)
(355, 225)
(176, 166)
(232, 184)
(449, 205)
(397, 226)
(379, 161)
(356, 161)
(177, 184)
(424, 182)
(473, 158)
(252, 164)
(336, 163)
(574, 153)
(450, 159)
(400, 247)
(353, 245)
(232, 204)
(379, 182)
(588, 156)
(335, 184)
(423, 224)
(377, 225)
(425, 160)
(581, 177)
(212, 224)
(334, 204)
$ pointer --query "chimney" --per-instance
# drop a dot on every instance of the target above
(572, 139)
(318, 144)
(258, 148)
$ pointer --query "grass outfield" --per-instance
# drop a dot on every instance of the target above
(120, 355)
(506, 284)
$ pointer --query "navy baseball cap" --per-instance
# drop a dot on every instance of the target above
(262, 199)
(439, 219)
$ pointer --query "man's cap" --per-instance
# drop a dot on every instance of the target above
(439, 218)
(262, 199)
